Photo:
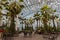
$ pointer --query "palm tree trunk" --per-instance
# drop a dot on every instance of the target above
(22, 25)
(12, 25)
(32, 26)
(54, 27)
(53, 23)
(0, 22)
(25, 24)
(49, 23)
(39, 23)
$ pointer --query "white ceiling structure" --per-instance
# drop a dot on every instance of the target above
(33, 6)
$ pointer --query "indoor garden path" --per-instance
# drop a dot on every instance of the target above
(34, 37)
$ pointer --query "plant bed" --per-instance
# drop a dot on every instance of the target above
(27, 32)
(7, 34)
(50, 36)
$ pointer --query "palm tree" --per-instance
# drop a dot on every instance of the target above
(25, 22)
(40, 20)
(37, 17)
(14, 8)
(45, 10)
(53, 17)
(22, 21)
(31, 21)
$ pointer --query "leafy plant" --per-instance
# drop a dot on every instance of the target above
(6, 29)
(21, 0)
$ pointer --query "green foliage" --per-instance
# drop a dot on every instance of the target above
(0, 7)
(28, 29)
(4, 0)
(46, 12)
(45, 7)
(58, 29)
(21, 0)
(6, 29)
(14, 8)
(22, 6)
(54, 10)
(49, 29)
(31, 21)
(42, 30)
(37, 16)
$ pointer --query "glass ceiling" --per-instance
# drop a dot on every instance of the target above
(33, 6)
